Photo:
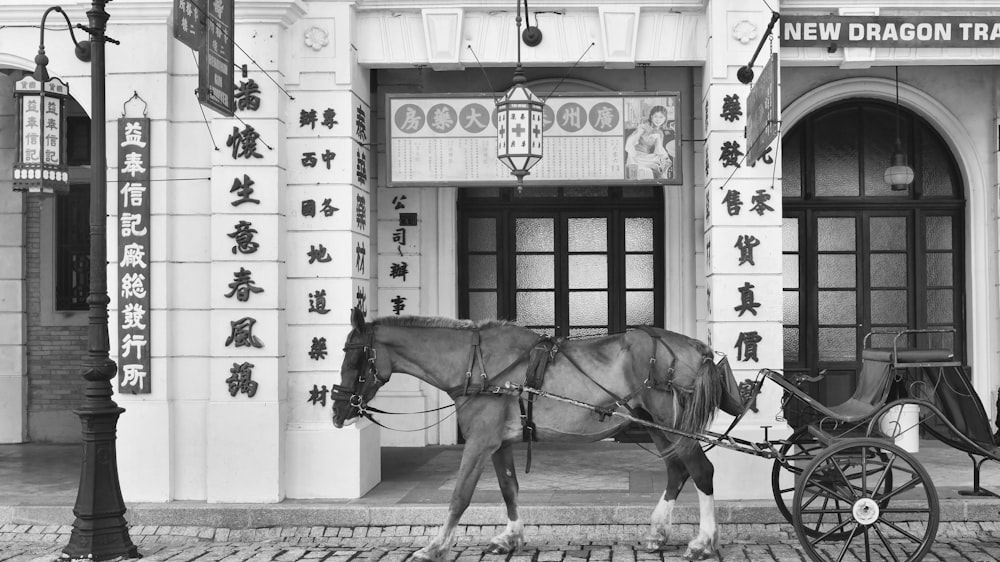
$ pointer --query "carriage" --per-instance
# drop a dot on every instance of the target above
(856, 493)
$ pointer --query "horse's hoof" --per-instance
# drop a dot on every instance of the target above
(419, 556)
(495, 548)
(654, 543)
(701, 554)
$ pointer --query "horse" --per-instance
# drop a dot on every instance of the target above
(657, 375)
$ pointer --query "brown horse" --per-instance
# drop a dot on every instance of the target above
(654, 374)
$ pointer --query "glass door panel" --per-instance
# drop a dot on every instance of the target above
(535, 273)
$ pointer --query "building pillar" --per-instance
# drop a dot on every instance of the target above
(330, 251)
(248, 377)
(742, 238)
(13, 364)
(144, 443)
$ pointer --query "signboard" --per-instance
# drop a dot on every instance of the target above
(762, 118)
(215, 59)
(890, 31)
(189, 22)
(133, 251)
(592, 139)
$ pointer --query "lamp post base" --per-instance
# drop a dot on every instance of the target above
(100, 531)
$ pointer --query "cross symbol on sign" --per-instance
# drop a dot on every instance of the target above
(518, 129)
(535, 130)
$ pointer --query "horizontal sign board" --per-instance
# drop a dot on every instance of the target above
(890, 31)
(595, 139)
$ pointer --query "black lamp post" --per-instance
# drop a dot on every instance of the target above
(100, 531)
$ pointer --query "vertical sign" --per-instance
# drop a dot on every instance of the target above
(216, 81)
(189, 22)
(133, 252)
(762, 121)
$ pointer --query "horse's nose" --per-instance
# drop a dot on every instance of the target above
(338, 420)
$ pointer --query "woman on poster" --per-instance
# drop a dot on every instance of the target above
(646, 151)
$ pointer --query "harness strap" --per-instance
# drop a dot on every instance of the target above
(651, 382)
(542, 353)
(619, 402)
(487, 386)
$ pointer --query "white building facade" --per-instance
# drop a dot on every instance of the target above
(780, 265)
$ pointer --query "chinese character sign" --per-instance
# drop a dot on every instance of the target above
(133, 250)
(604, 139)
(189, 22)
(216, 81)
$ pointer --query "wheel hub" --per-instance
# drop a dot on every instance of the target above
(865, 511)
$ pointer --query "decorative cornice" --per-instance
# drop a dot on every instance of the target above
(494, 5)
(907, 6)
(285, 12)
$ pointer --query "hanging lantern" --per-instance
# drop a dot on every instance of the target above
(41, 120)
(519, 128)
(898, 175)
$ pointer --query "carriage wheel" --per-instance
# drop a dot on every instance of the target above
(841, 504)
(800, 449)
(794, 457)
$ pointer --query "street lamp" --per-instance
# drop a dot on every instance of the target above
(100, 531)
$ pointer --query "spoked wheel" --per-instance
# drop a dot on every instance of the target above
(801, 449)
(794, 455)
(841, 506)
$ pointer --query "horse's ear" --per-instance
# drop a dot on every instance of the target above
(357, 319)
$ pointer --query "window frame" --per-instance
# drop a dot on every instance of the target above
(504, 206)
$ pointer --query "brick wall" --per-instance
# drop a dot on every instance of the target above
(55, 353)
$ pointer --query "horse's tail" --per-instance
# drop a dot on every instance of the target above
(699, 406)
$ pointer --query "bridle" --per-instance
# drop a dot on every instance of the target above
(367, 371)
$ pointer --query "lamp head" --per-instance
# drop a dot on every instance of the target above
(83, 51)
(898, 175)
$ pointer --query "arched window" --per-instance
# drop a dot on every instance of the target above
(859, 256)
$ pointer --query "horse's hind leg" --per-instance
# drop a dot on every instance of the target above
(677, 475)
(512, 538)
(473, 461)
(706, 543)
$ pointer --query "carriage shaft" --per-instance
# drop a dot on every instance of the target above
(763, 449)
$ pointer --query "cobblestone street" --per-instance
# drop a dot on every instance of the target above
(976, 542)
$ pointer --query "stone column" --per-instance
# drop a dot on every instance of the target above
(742, 237)
(330, 250)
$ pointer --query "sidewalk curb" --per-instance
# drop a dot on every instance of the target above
(291, 514)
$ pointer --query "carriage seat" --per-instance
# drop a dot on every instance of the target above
(871, 393)
(907, 355)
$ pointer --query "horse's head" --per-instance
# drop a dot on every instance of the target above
(359, 374)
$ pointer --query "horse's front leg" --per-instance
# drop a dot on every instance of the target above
(473, 461)
(512, 538)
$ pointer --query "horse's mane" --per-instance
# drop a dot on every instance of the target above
(436, 322)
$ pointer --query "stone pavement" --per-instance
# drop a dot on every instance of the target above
(967, 542)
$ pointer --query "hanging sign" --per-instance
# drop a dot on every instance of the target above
(592, 139)
(189, 22)
(134, 259)
(216, 81)
(890, 31)
(762, 118)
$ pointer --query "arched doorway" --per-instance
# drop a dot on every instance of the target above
(47, 250)
(859, 256)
